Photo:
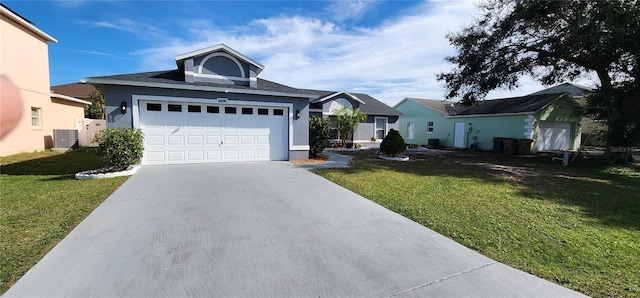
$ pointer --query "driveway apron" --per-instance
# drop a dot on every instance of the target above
(260, 229)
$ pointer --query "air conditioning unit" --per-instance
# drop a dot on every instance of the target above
(65, 139)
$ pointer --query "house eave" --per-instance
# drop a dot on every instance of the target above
(26, 24)
(194, 88)
(69, 98)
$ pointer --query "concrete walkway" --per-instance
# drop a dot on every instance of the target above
(260, 229)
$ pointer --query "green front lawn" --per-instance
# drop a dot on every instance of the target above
(578, 226)
(41, 202)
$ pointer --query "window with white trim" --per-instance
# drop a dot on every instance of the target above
(410, 130)
(381, 128)
(429, 126)
(35, 117)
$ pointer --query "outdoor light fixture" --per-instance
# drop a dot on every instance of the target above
(123, 107)
(297, 114)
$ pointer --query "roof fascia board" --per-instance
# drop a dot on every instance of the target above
(336, 94)
(491, 115)
(215, 48)
(195, 88)
(69, 98)
(26, 24)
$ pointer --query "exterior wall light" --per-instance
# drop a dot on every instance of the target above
(123, 107)
(297, 114)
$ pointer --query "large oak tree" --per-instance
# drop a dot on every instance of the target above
(556, 41)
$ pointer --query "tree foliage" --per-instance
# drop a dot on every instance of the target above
(555, 41)
(348, 120)
(393, 144)
(319, 133)
(96, 109)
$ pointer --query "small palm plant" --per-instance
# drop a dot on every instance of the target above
(348, 120)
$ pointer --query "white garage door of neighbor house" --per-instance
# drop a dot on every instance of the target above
(553, 136)
(178, 133)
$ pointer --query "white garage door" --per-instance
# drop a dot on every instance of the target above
(553, 136)
(177, 133)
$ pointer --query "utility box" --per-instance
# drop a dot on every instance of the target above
(65, 139)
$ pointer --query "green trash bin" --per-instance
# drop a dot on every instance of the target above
(497, 145)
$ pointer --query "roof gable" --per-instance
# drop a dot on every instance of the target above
(337, 95)
(219, 64)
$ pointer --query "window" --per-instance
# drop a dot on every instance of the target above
(429, 126)
(410, 129)
(278, 112)
(263, 111)
(174, 108)
(213, 110)
(230, 110)
(381, 128)
(35, 117)
(194, 109)
(154, 107)
(247, 111)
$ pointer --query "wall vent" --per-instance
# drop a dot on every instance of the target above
(65, 139)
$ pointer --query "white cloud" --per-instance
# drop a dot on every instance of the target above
(343, 10)
(398, 58)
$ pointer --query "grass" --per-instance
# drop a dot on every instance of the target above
(41, 202)
(577, 226)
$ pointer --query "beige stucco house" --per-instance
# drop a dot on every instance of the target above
(24, 63)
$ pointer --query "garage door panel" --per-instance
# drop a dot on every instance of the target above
(231, 140)
(214, 155)
(195, 140)
(155, 156)
(553, 136)
(231, 154)
(262, 140)
(195, 155)
(214, 140)
(213, 135)
(174, 156)
(175, 140)
(195, 124)
(154, 140)
(173, 123)
(248, 154)
(247, 140)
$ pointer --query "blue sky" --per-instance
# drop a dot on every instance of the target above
(388, 49)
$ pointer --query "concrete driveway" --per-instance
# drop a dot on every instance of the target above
(260, 229)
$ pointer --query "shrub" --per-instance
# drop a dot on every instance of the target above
(393, 144)
(319, 133)
(120, 147)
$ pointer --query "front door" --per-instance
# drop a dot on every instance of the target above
(458, 135)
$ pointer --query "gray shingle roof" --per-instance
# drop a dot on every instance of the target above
(176, 77)
(576, 91)
(523, 104)
(372, 106)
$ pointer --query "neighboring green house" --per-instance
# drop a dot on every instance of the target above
(551, 121)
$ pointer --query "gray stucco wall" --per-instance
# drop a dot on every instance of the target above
(366, 130)
(114, 95)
